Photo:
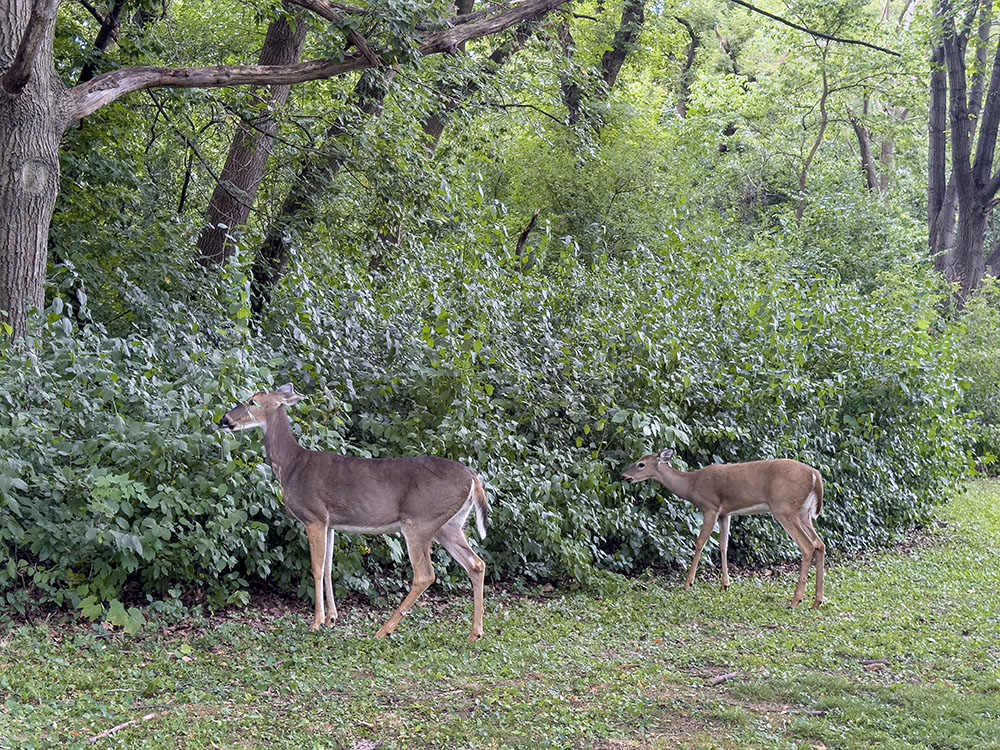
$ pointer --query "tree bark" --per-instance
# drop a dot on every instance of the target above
(32, 120)
(236, 191)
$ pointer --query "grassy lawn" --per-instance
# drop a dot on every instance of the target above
(904, 654)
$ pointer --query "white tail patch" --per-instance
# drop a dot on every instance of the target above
(810, 504)
(480, 520)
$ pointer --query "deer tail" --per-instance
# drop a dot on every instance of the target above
(818, 491)
(482, 506)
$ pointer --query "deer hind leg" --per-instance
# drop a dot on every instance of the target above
(418, 545)
(706, 531)
(723, 548)
(453, 538)
(795, 528)
(316, 532)
(331, 611)
(820, 548)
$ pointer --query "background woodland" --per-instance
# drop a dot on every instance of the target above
(540, 237)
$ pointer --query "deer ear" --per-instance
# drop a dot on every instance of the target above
(288, 395)
(666, 456)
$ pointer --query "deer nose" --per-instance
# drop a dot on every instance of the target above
(224, 423)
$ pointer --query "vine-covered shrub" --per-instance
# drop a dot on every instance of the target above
(978, 348)
(116, 489)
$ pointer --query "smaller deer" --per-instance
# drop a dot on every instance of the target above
(426, 498)
(789, 490)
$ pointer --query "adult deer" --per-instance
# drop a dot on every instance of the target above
(425, 498)
(789, 490)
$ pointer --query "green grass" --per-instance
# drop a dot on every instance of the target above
(903, 655)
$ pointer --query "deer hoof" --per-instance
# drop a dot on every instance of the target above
(475, 636)
(817, 604)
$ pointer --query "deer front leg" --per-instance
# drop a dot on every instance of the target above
(706, 532)
(419, 548)
(723, 548)
(316, 532)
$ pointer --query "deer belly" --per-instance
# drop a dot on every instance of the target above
(367, 528)
(751, 510)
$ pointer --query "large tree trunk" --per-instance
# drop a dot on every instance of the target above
(33, 118)
(236, 190)
(970, 260)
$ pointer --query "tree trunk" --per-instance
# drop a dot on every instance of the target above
(937, 150)
(687, 72)
(626, 39)
(33, 117)
(970, 260)
(236, 191)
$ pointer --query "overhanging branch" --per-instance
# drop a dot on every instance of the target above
(812, 32)
(91, 96)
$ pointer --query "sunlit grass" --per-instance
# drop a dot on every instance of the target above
(904, 654)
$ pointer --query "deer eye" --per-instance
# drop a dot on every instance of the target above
(641, 466)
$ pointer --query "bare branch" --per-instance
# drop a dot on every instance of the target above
(91, 96)
(93, 11)
(337, 14)
(817, 34)
(40, 25)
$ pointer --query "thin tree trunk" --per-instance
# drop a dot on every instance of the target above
(937, 149)
(867, 159)
(434, 124)
(625, 41)
(107, 34)
(236, 191)
(273, 255)
(687, 72)
(824, 122)
(571, 92)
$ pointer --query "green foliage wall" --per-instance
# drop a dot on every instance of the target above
(116, 485)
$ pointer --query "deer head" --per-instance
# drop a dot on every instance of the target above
(645, 467)
(253, 412)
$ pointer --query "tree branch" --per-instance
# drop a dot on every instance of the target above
(93, 11)
(40, 25)
(91, 96)
(817, 34)
(336, 14)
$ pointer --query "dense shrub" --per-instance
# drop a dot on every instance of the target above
(978, 348)
(116, 487)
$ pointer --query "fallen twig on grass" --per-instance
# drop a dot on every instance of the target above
(114, 730)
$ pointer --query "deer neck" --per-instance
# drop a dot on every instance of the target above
(280, 445)
(678, 482)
